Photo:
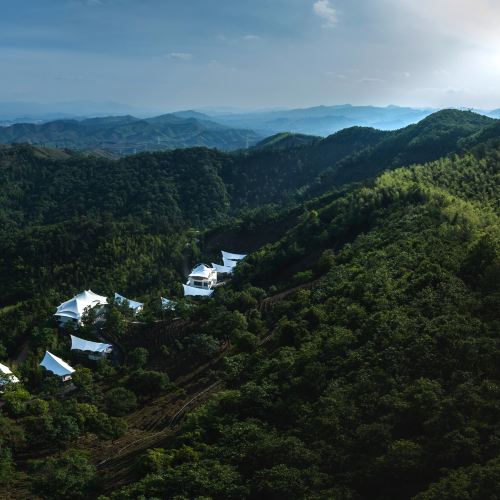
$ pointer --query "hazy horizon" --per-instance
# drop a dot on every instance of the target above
(84, 109)
(173, 55)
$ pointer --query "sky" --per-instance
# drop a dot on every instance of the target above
(165, 55)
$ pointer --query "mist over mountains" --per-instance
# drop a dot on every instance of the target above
(82, 126)
(127, 134)
(324, 120)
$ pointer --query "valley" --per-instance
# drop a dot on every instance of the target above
(353, 353)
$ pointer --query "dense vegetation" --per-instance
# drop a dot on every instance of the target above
(286, 140)
(140, 206)
(382, 380)
(354, 355)
(128, 134)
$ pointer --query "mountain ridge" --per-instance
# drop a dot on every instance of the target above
(353, 354)
(128, 134)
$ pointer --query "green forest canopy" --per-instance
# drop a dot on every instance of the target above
(379, 377)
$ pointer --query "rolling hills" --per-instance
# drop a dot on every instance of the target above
(353, 355)
(126, 134)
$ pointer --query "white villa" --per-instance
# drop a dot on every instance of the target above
(203, 277)
(192, 291)
(73, 309)
(137, 307)
(6, 376)
(94, 350)
(57, 366)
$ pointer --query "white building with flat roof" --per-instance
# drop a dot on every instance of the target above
(193, 291)
(203, 277)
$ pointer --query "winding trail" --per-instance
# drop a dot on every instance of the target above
(156, 424)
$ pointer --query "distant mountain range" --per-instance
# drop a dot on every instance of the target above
(326, 120)
(36, 112)
(495, 113)
(223, 130)
(127, 134)
(323, 120)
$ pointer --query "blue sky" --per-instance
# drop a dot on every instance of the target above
(172, 54)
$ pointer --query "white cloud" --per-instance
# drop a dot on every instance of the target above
(338, 76)
(251, 38)
(471, 21)
(371, 81)
(180, 56)
(325, 10)
(401, 74)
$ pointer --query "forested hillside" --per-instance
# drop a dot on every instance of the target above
(123, 135)
(354, 354)
(49, 197)
(381, 379)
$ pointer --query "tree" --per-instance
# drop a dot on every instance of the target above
(68, 475)
(7, 469)
(148, 383)
(64, 430)
(120, 401)
(16, 398)
(115, 325)
(278, 482)
(138, 357)
(111, 427)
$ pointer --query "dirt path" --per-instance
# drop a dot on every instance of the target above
(119, 466)
(156, 424)
(268, 303)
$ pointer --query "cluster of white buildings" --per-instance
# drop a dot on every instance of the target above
(71, 312)
(202, 282)
(203, 279)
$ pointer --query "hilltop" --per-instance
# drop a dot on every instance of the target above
(286, 140)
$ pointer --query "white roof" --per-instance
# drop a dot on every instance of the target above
(7, 374)
(56, 365)
(136, 306)
(202, 270)
(229, 262)
(233, 256)
(223, 269)
(75, 307)
(168, 304)
(196, 292)
(87, 345)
